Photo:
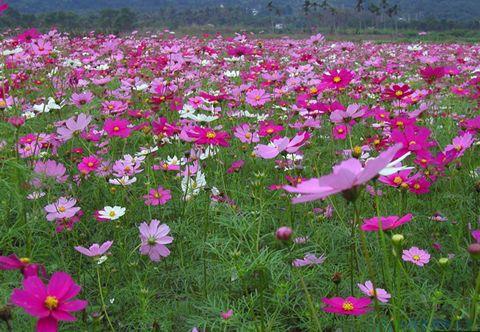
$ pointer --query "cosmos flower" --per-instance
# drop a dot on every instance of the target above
(368, 290)
(51, 303)
(95, 250)
(117, 127)
(388, 223)
(154, 238)
(347, 175)
(416, 256)
(112, 213)
(158, 196)
(308, 260)
(257, 97)
(347, 306)
(62, 208)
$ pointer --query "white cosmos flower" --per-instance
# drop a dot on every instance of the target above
(191, 186)
(112, 213)
(45, 108)
(123, 181)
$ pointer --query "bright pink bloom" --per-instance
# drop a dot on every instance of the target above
(352, 112)
(269, 128)
(117, 127)
(208, 136)
(95, 249)
(398, 91)
(3, 6)
(367, 289)
(28, 269)
(337, 78)
(284, 233)
(154, 238)
(236, 166)
(347, 306)
(340, 131)
(63, 208)
(388, 223)
(157, 196)
(347, 175)
(413, 139)
(399, 179)
(89, 164)
(51, 303)
(416, 256)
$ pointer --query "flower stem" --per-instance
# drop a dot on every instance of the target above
(474, 312)
(104, 307)
(313, 312)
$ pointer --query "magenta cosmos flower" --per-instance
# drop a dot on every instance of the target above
(95, 249)
(347, 175)
(63, 208)
(51, 303)
(390, 222)
(209, 136)
(117, 127)
(416, 256)
(154, 238)
(24, 265)
(367, 289)
(89, 164)
(348, 306)
(158, 196)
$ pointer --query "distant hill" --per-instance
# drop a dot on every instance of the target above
(410, 9)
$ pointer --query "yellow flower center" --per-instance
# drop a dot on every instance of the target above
(412, 143)
(404, 185)
(3, 103)
(165, 166)
(112, 214)
(257, 98)
(211, 135)
(397, 180)
(399, 93)
(157, 195)
(61, 209)
(337, 79)
(116, 128)
(25, 260)
(340, 130)
(248, 135)
(313, 90)
(90, 164)
(400, 123)
(416, 186)
(110, 107)
(458, 147)
(51, 302)
(347, 306)
(416, 257)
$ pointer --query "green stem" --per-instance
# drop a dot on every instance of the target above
(474, 304)
(313, 312)
(104, 307)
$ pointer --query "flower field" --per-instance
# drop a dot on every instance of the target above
(214, 183)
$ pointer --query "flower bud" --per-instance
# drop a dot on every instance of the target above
(397, 238)
(443, 261)
(284, 233)
(474, 250)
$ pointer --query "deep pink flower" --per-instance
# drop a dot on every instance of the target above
(28, 269)
(117, 127)
(51, 303)
(284, 233)
(89, 164)
(226, 315)
(337, 78)
(347, 175)
(208, 136)
(95, 249)
(236, 166)
(340, 131)
(154, 238)
(3, 6)
(347, 306)
(269, 128)
(388, 223)
(416, 256)
(159, 196)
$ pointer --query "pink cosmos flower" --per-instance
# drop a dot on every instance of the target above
(308, 260)
(340, 131)
(269, 128)
(114, 107)
(226, 315)
(257, 97)
(279, 145)
(63, 208)
(245, 135)
(74, 125)
(347, 306)
(50, 168)
(3, 6)
(208, 136)
(347, 175)
(388, 223)
(236, 166)
(80, 99)
(117, 127)
(24, 265)
(89, 164)
(367, 289)
(157, 196)
(51, 303)
(154, 238)
(352, 112)
(95, 249)
(337, 78)
(416, 256)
